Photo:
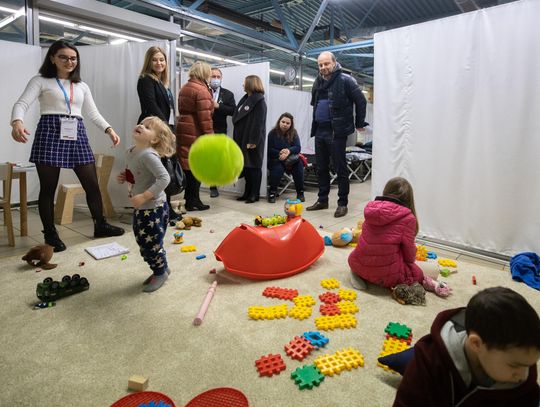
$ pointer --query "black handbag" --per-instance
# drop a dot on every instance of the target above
(178, 180)
(291, 160)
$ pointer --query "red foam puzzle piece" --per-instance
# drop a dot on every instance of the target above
(299, 348)
(281, 293)
(329, 297)
(329, 309)
(407, 340)
(270, 365)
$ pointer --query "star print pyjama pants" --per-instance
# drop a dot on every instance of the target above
(149, 226)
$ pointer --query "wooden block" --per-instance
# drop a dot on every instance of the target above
(137, 383)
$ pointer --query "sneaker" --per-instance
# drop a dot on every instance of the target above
(300, 196)
(155, 282)
(272, 198)
(147, 281)
(358, 282)
(104, 229)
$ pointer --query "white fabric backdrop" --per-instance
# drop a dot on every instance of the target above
(19, 63)
(456, 112)
(111, 72)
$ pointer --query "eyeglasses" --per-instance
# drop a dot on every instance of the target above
(65, 58)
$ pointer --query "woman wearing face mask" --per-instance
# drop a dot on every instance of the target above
(155, 96)
(195, 106)
(283, 141)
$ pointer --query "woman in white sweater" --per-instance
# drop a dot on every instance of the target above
(60, 140)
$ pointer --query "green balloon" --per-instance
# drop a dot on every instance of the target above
(215, 160)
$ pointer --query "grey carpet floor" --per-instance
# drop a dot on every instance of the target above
(82, 352)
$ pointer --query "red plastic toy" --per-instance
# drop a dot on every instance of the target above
(270, 365)
(329, 297)
(260, 253)
(222, 397)
(329, 309)
(142, 397)
(281, 293)
(299, 348)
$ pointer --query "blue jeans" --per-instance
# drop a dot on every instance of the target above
(327, 147)
(149, 227)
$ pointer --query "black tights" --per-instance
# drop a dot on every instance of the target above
(48, 181)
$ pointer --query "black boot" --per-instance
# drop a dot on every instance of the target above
(196, 206)
(52, 239)
(272, 196)
(300, 196)
(104, 229)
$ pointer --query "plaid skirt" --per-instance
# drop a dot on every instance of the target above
(48, 149)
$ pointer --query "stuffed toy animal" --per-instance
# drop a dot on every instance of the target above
(39, 256)
(342, 237)
(187, 222)
(409, 294)
(357, 231)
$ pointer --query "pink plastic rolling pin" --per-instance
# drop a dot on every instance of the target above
(206, 303)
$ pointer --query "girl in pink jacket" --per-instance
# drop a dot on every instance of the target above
(386, 252)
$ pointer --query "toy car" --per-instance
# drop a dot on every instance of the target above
(50, 290)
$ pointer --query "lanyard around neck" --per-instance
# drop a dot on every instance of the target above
(69, 101)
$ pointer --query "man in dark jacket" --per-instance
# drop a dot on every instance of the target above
(339, 110)
(224, 105)
(482, 355)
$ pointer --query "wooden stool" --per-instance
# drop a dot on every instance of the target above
(65, 201)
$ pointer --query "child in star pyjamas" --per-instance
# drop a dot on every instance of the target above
(147, 179)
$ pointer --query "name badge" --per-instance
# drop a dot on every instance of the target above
(171, 117)
(68, 128)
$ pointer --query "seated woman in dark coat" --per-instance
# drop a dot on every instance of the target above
(283, 142)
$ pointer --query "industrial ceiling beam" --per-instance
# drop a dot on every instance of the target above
(219, 23)
(466, 5)
(196, 4)
(316, 20)
(285, 24)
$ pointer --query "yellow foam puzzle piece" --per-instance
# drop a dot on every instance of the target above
(304, 301)
(347, 295)
(273, 312)
(347, 307)
(330, 283)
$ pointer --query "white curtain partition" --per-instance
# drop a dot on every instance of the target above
(19, 63)
(456, 112)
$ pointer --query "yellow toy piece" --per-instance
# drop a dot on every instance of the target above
(348, 307)
(421, 253)
(393, 345)
(304, 301)
(347, 295)
(330, 283)
(300, 312)
(273, 312)
(352, 244)
(352, 358)
(347, 358)
(390, 346)
(329, 364)
(447, 263)
(178, 237)
(191, 248)
(327, 322)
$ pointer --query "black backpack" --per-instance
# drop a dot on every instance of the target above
(178, 180)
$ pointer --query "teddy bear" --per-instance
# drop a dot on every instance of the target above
(188, 221)
(39, 256)
(342, 237)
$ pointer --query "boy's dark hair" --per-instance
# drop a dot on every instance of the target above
(503, 319)
(48, 70)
